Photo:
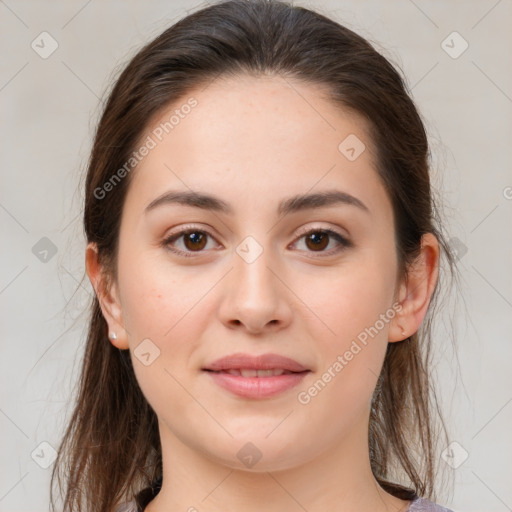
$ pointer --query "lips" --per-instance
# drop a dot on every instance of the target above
(256, 377)
(248, 372)
(265, 365)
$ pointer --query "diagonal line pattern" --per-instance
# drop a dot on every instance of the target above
(417, 83)
(80, 79)
(77, 281)
(484, 218)
(44, 353)
(492, 8)
(13, 217)
(5, 495)
(286, 490)
(220, 483)
(279, 423)
(14, 76)
(71, 222)
(508, 507)
(211, 81)
(308, 103)
(492, 81)
(14, 423)
(491, 419)
(482, 276)
(2, 1)
(74, 16)
(13, 279)
(425, 14)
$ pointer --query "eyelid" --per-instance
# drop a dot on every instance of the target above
(304, 230)
(184, 230)
(343, 240)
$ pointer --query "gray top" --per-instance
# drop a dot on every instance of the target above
(418, 505)
(424, 505)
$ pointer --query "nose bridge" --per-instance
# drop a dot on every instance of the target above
(255, 297)
(251, 262)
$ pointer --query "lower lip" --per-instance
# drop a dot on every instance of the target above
(257, 387)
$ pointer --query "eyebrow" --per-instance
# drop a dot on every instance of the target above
(290, 205)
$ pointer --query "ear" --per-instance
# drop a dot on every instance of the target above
(108, 298)
(416, 290)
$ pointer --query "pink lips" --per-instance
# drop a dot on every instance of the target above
(261, 362)
(264, 386)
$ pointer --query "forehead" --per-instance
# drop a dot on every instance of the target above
(269, 136)
(242, 113)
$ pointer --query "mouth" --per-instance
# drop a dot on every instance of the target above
(256, 376)
(251, 372)
(263, 362)
(251, 384)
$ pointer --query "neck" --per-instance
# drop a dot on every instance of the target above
(338, 479)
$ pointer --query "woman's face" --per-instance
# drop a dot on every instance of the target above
(249, 279)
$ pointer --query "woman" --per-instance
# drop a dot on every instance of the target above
(263, 247)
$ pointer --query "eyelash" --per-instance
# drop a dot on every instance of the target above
(344, 243)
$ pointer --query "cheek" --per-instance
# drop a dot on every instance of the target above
(168, 306)
(155, 297)
(163, 314)
(352, 297)
(358, 310)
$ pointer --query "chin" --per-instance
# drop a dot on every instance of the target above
(258, 453)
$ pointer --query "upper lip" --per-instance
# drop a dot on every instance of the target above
(241, 361)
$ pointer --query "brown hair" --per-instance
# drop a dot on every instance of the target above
(111, 447)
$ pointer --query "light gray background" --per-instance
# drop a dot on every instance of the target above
(49, 110)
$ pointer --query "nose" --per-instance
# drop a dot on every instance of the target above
(255, 299)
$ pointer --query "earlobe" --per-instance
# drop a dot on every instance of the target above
(107, 296)
(417, 289)
(397, 331)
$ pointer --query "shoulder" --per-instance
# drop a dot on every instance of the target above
(424, 505)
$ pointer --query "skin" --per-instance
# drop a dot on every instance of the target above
(253, 142)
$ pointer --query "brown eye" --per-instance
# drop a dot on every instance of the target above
(194, 240)
(317, 240)
(187, 242)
